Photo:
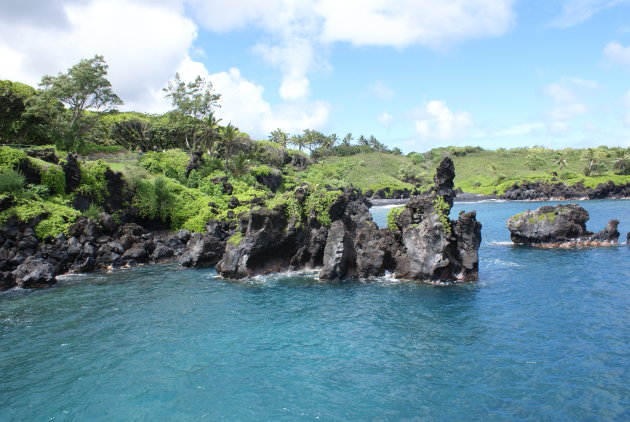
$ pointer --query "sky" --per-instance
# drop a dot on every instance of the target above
(416, 74)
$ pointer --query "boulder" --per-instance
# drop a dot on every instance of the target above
(46, 154)
(272, 180)
(558, 226)
(202, 250)
(34, 272)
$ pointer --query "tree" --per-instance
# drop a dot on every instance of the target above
(622, 161)
(591, 158)
(279, 137)
(229, 134)
(194, 104)
(560, 161)
(83, 87)
(534, 161)
(347, 139)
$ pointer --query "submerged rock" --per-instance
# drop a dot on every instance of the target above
(559, 226)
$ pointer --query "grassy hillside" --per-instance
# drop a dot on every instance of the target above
(367, 171)
(484, 172)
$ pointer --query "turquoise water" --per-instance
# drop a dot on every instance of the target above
(543, 336)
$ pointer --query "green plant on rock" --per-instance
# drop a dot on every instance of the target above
(319, 202)
(93, 212)
(93, 181)
(11, 181)
(10, 157)
(58, 218)
(392, 217)
(236, 238)
(54, 178)
(442, 209)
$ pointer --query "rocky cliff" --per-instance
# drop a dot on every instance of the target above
(423, 244)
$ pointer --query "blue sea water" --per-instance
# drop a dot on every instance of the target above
(543, 336)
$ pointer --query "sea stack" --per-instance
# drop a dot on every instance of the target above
(559, 226)
(421, 244)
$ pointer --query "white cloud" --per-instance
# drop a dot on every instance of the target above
(524, 129)
(626, 120)
(141, 55)
(381, 90)
(400, 23)
(299, 31)
(617, 53)
(567, 94)
(578, 11)
(242, 103)
(385, 118)
(435, 121)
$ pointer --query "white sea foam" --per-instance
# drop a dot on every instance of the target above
(500, 243)
(502, 263)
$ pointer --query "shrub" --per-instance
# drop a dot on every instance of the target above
(10, 157)
(442, 209)
(11, 181)
(171, 163)
(392, 216)
(57, 217)
(93, 212)
(319, 202)
(93, 181)
(54, 178)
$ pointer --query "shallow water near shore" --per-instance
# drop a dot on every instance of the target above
(542, 336)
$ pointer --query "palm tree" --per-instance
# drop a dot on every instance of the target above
(590, 157)
(210, 126)
(622, 162)
(561, 161)
(240, 164)
(347, 139)
(228, 134)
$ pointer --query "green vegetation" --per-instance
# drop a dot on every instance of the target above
(11, 181)
(185, 167)
(442, 210)
(392, 216)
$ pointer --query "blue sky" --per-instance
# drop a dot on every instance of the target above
(414, 73)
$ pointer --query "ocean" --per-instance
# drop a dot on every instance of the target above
(543, 335)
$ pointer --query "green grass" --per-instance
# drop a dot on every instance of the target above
(474, 172)
(364, 171)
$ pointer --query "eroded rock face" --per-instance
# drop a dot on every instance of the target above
(34, 272)
(72, 172)
(426, 246)
(559, 226)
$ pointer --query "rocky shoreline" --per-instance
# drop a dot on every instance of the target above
(422, 244)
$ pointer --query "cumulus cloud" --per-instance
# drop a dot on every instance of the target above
(141, 55)
(243, 103)
(617, 53)
(400, 23)
(435, 121)
(385, 118)
(299, 31)
(578, 11)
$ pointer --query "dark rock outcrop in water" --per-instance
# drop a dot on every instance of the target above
(425, 246)
(556, 191)
(343, 242)
(559, 226)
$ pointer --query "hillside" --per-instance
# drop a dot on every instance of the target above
(479, 171)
